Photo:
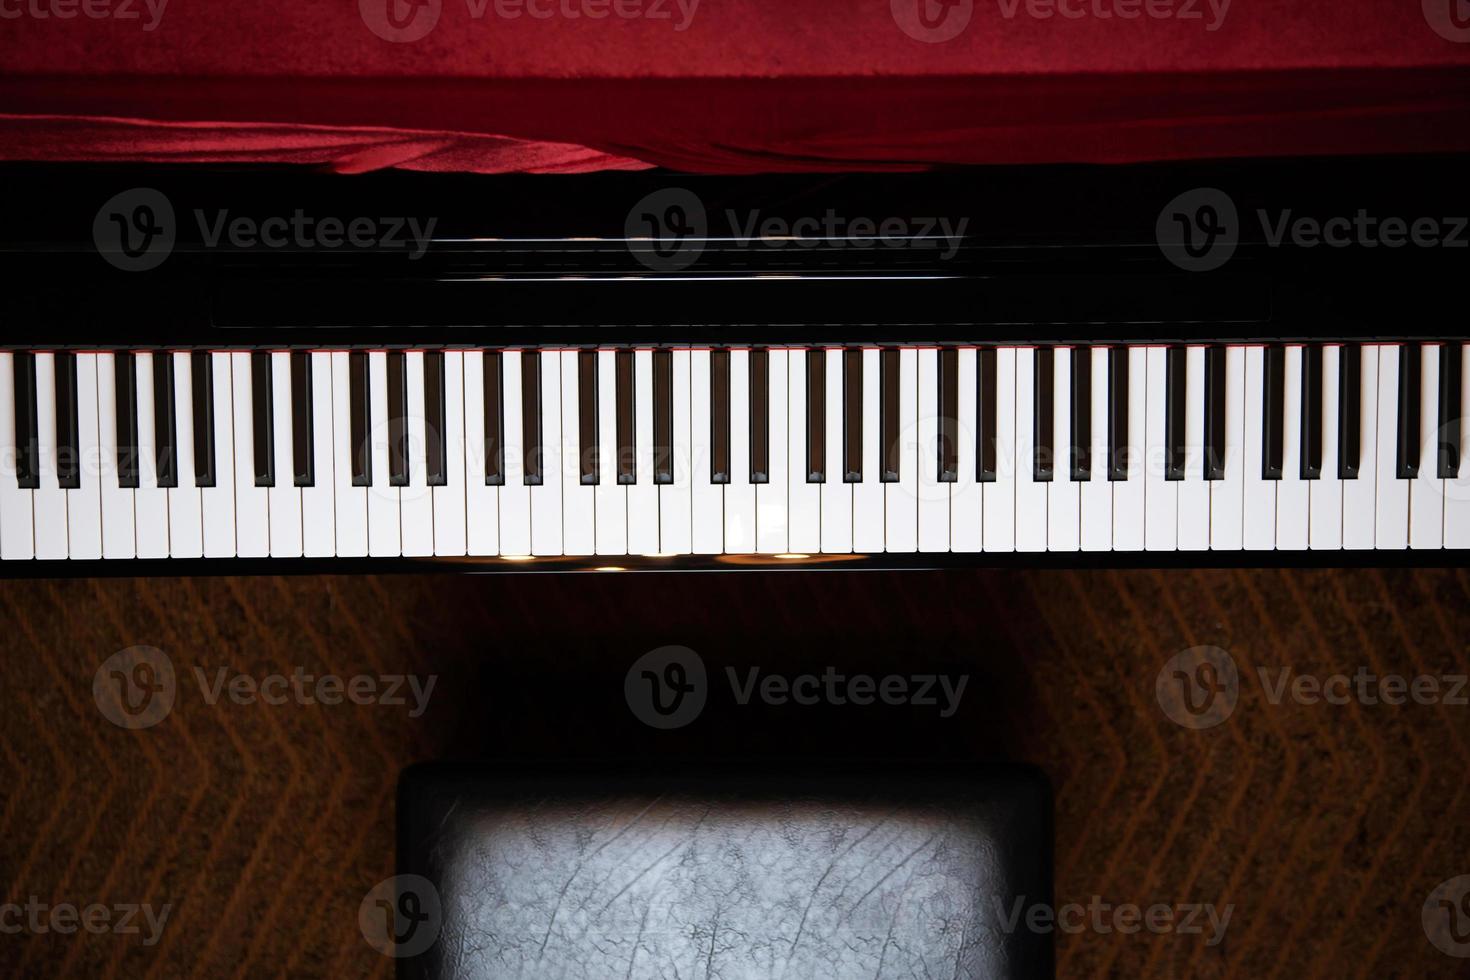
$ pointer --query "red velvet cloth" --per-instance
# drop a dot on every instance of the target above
(729, 85)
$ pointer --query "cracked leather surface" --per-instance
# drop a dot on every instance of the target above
(728, 875)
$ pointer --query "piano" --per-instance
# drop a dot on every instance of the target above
(991, 366)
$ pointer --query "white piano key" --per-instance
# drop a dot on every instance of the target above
(49, 499)
(17, 505)
(118, 540)
(283, 499)
(1227, 495)
(643, 516)
(150, 501)
(1258, 514)
(611, 497)
(966, 518)
(546, 512)
(933, 496)
(1293, 517)
(84, 502)
(416, 501)
(740, 523)
(350, 503)
(1130, 495)
(1360, 496)
(1392, 510)
(252, 503)
(1426, 491)
(804, 500)
(1030, 493)
(579, 501)
(482, 501)
(185, 508)
(674, 499)
(1097, 493)
(1457, 491)
(836, 492)
(999, 507)
(707, 500)
(515, 495)
(868, 501)
(1325, 507)
(771, 511)
(1161, 496)
(384, 537)
(1063, 497)
(901, 499)
(1194, 489)
(318, 501)
(449, 499)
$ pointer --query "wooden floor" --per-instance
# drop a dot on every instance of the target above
(1325, 826)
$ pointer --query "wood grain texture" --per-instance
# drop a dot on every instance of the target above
(264, 826)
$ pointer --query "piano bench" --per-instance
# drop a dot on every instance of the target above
(723, 872)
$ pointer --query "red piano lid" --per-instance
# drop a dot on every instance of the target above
(729, 85)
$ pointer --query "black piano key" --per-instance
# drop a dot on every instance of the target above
(1043, 415)
(1118, 448)
(27, 431)
(663, 417)
(397, 419)
(125, 379)
(201, 393)
(1176, 399)
(1312, 412)
(68, 439)
(1408, 433)
(760, 416)
(1215, 412)
(816, 416)
(494, 408)
(436, 415)
(719, 416)
(986, 406)
(531, 416)
(1080, 451)
(1350, 411)
(303, 461)
(852, 416)
(626, 417)
(888, 415)
(360, 408)
(1273, 414)
(587, 446)
(949, 415)
(165, 424)
(1450, 380)
(262, 417)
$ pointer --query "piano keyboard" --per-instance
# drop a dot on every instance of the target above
(776, 451)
